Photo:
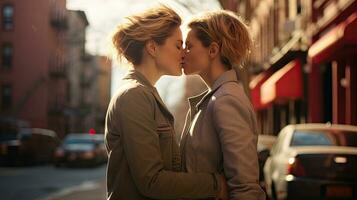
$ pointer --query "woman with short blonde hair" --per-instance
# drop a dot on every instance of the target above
(220, 133)
(144, 160)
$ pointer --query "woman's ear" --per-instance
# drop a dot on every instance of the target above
(151, 47)
(213, 50)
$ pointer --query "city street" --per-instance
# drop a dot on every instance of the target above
(50, 183)
(80, 79)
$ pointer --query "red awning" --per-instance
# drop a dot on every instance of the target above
(254, 86)
(286, 83)
(343, 34)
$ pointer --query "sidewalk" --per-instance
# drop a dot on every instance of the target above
(85, 191)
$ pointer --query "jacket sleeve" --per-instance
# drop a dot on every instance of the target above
(135, 115)
(233, 120)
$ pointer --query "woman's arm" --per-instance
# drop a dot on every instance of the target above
(134, 113)
(234, 123)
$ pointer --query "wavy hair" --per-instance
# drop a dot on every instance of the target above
(226, 29)
(156, 24)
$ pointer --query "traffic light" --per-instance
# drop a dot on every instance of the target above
(92, 131)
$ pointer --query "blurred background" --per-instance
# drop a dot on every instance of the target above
(58, 73)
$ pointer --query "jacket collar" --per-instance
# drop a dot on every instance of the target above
(136, 75)
(194, 100)
(228, 76)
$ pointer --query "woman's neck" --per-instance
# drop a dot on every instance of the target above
(150, 72)
(211, 75)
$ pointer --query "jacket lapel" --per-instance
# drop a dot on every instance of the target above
(163, 106)
(133, 74)
(228, 76)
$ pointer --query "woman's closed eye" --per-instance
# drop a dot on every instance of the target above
(179, 44)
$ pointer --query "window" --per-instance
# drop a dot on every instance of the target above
(310, 139)
(6, 56)
(287, 8)
(298, 7)
(6, 97)
(8, 17)
(328, 137)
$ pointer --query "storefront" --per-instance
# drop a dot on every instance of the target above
(278, 97)
(332, 80)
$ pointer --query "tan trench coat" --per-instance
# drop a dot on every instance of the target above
(144, 157)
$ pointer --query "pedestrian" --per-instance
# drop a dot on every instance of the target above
(220, 133)
(144, 160)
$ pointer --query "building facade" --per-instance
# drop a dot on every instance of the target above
(33, 62)
(294, 76)
(333, 62)
(75, 40)
(46, 76)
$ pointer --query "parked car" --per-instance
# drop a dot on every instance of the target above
(264, 145)
(27, 146)
(81, 149)
(9, 130)
(313, 161)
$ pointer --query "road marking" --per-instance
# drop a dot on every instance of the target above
(87, 185)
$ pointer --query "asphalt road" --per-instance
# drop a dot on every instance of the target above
(38, 182)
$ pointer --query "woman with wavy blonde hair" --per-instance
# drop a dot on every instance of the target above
(220, 133)
(144, 160)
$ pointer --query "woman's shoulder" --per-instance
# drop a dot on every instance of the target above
(131, 91)
(232, 92)
(232, 88)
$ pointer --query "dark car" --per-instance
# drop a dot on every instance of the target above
(81, 149)
(313, 161)
(27, 146)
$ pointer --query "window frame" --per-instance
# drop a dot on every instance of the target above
(11, 62)
(3, 22)
(10, 104)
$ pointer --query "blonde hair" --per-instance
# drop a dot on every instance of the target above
(156, 24)
(228, 31)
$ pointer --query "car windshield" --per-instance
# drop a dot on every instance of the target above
(7, 132)
(7, 137)
(324, 138)
(78, 141)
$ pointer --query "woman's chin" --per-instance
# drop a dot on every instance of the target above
(175, 73)
(179, 73)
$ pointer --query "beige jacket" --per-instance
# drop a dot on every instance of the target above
(220, 135)
(144, 157)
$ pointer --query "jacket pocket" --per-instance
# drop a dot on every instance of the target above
(164, 130)
(165, 133)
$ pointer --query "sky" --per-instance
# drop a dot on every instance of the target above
(105, 15)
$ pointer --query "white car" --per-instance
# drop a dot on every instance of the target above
(313, 161)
